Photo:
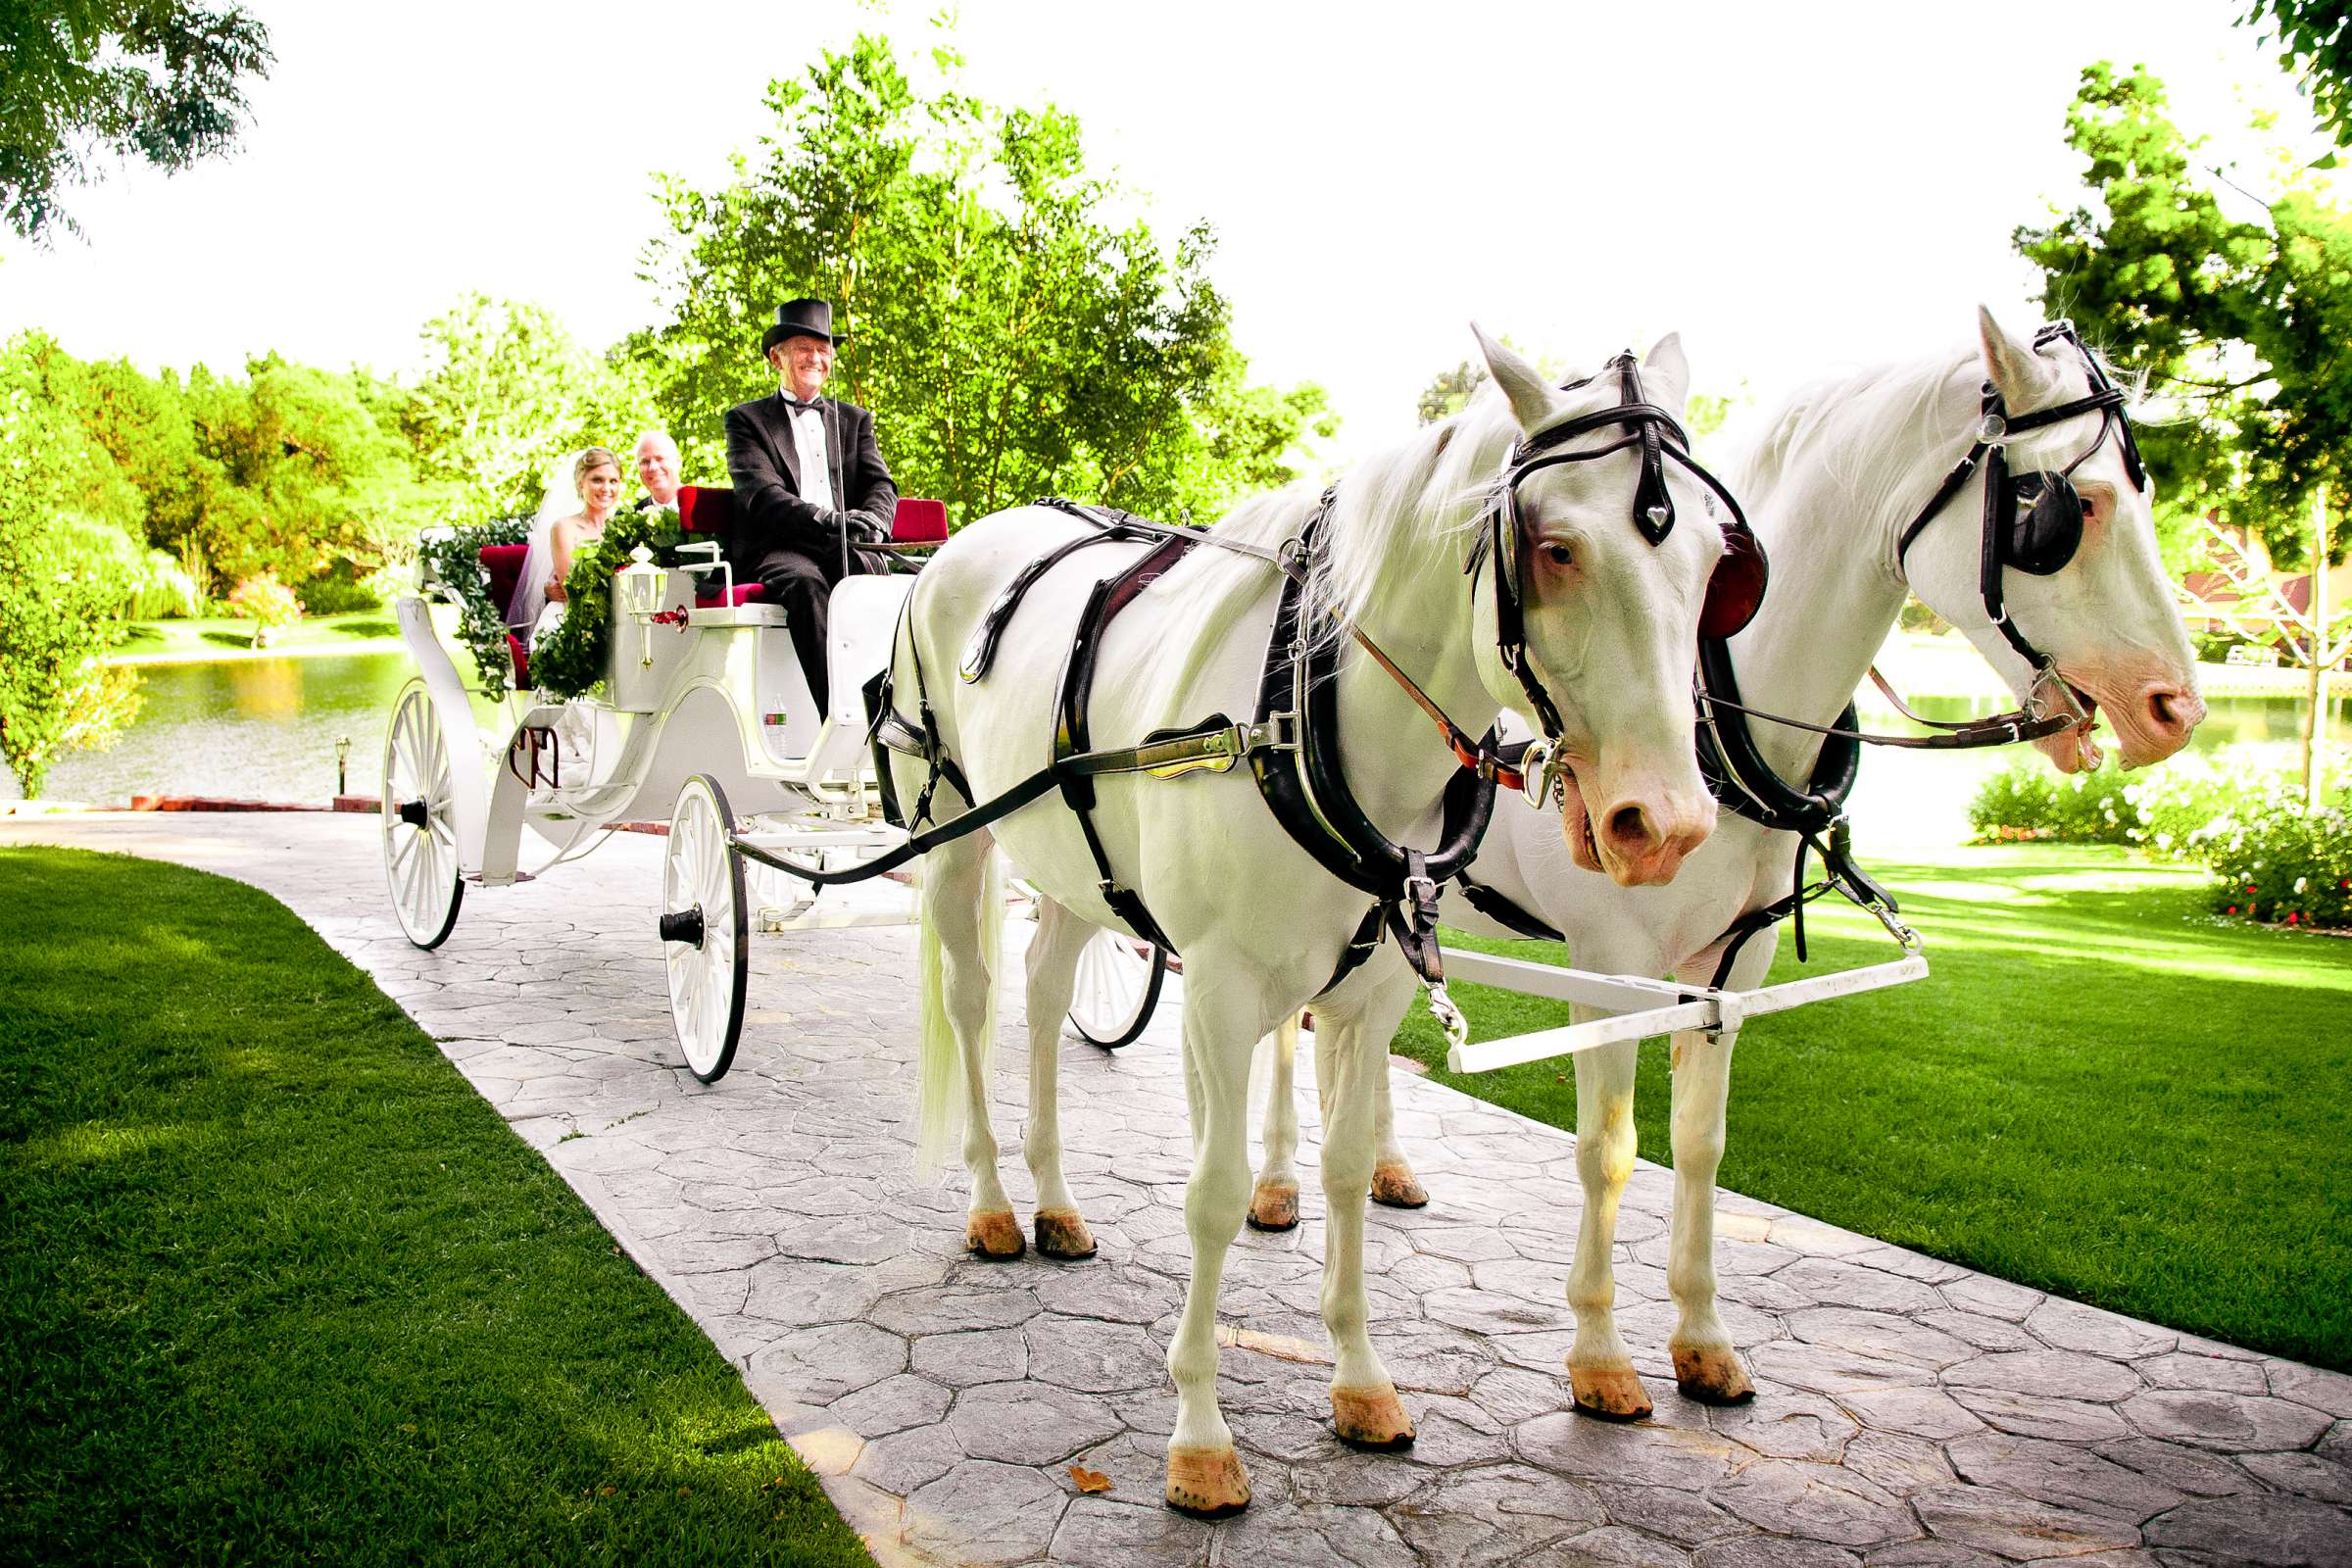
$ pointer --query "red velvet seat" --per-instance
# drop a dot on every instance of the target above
(504, 564)
(708, 509)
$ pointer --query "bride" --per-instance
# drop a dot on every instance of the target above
(582, 490)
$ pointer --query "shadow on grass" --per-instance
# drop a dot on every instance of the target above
(227, 639)
(367, 628)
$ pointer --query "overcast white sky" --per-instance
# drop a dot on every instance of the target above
(1793, 187)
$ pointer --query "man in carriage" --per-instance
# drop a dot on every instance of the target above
(810, 483)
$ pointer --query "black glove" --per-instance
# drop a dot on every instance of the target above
(865, 528)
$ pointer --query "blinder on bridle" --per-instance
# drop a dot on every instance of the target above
(2033, 523)
(1734, 591)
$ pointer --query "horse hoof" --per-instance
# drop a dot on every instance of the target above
(1394, 1186)
(1609, 1395)
(1712, 1376)
(995, 1235)
(1208, 1483)
(1060, 1233)
(1273, 1209)
(1371, 1418)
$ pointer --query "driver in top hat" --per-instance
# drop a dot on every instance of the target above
(810, 483)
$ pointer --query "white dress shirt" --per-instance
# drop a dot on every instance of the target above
(809, 444)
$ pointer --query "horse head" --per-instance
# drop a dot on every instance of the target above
(1601, 546)
(2070, 554)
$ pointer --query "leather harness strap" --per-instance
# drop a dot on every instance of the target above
(1292, 748)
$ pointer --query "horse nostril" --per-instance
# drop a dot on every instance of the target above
(1630, 825)
(2173, 712)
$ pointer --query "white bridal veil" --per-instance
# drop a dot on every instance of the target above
(560, 498)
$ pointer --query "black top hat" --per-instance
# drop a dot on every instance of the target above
(801, 318)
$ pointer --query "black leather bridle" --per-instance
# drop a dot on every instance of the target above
(2033, 523)
(1734, 591)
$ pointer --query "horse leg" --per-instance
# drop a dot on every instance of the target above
(1053, 974)
(1351, 1057)
(1394, 1184)
(1274, 1204)
(1706, 1367)
(1222, 1022)
(960, 883)
(1600, 1371)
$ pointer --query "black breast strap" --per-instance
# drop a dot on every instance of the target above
(1746, 785)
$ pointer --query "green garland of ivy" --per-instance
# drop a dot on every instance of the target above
(570, 661)
(456, 559)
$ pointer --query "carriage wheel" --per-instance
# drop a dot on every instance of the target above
(705, 929)
(1118, 986)
(420, 821)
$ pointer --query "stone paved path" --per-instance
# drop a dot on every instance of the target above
(1909, 1412)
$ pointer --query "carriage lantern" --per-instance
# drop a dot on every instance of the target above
(641, 596)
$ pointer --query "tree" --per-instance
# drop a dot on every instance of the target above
(56, 601)
(2241, 324)
(1016, 342)
(157, 79)
(505, 392)
(2314, 38)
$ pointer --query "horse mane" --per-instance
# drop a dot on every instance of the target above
(1857, 425)
(1844, 421)
(1392, 507)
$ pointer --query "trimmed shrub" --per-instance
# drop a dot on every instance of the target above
(2278, 862)
(2162, 810)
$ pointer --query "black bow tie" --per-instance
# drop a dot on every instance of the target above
(791, 402)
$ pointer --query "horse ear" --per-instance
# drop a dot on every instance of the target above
(1521, 382)
(1664, 363)
(2018, 375)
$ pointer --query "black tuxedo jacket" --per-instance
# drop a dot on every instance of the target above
(765, 464)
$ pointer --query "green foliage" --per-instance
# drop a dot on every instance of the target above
(2241, 324)
(570, 660)
(2277, 861)
(2172, 809)
(58, 598)
(1014, 341)
(155, 79)
(506, 392)
(152, 582)
(2312, 39)
(452, 558)
(2229, 809)
(278, 1286)
(291, 471)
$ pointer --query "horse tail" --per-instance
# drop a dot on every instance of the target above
(941, 1094)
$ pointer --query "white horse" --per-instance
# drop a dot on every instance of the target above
(1834, 485)
(1610, 628)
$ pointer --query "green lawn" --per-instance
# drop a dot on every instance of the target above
(2101, 1091)
(358, 631)
(276, 1285)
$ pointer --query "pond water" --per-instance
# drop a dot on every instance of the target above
(266, 728)
(251, 728)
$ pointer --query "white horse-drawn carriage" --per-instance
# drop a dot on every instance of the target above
(704, 720)
(1523, 555)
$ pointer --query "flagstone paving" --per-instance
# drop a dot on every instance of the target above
(1910, 1413)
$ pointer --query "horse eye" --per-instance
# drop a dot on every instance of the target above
(1559, 555)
